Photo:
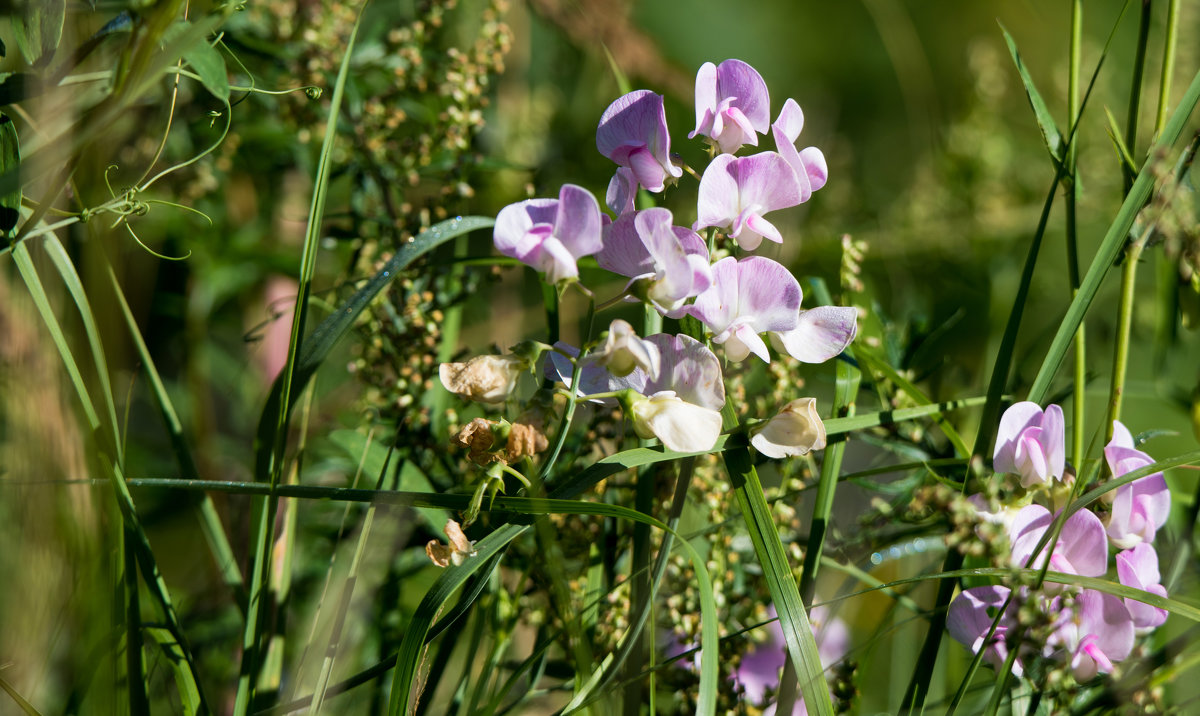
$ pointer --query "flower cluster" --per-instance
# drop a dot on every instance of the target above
(672, 386)
(1087, 630)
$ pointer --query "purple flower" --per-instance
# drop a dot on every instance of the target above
(681, 406)
(1098, 632)
(622, 190)
(551, 234)
(970, 618)
(1140, 507)
(1030, 443)
(760, 666)
(633, 133)
(1138, 568)
(1081, 548)
(732, 105)
(808, 163)
(822, 333)
(667, 264)
(746, 298)
(735, 193)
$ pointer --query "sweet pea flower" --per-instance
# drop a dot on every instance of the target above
(1030, 443)
(735, 193)
(746, 298)
(633, 133)
(732, 105)
(622, 190)
(680, 425)
(623, 352)
(1097, 633)
(666, 264)
(760, 666)
(795, 430)
(1140, 507)
(1081, 548)
(681, 407)
(808, 163)
(970, 618)
(551, 234)
(1138, 568)
(485, 379)
(821, 333)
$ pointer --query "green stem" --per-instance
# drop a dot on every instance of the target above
(1124, 329)
(1078, 402)
(1135, 89)
(1168, 66)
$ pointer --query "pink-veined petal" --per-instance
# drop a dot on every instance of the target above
(822, 333)
(577, 223)
(717, 199)
(1013, 422)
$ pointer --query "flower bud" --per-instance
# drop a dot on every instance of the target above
(796, 430)
(623, 352)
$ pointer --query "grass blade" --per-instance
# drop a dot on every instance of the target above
(326, 335)
(1041, 112)
(1111, 246)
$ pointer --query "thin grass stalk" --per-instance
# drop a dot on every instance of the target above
(1165, 269)
(135, 672)
(1133, 251)
(1079, 396)
(259, 601)
(847, 382)
(210, 522)
(797, 632)
(1135, 88)
(1167, 76)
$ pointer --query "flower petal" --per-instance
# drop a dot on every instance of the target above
(822, 333)
(795, 430)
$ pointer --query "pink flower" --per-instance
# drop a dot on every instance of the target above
(760, 666)
(551, 234)
(666, 264)
(1030, 443)
(970, 618)
(732, 105)
(1138, 568)
(808, 163)
(1097, 633)
(821, 333)
(735, 193)
(633, 133)
(1140, 507)
(746, 298)
(1081, 548)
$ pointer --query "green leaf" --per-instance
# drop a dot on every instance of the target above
(204, 59)
(797, 632)
(38, 28)
(325, 336)
(10, 160)
(1045, 121)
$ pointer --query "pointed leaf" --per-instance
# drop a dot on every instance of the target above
(1050, 133)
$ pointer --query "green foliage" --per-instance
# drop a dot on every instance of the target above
(210, 563)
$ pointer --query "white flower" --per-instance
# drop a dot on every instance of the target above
(682, 427)
(796, 430)
(623, 352)
(487, 378)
